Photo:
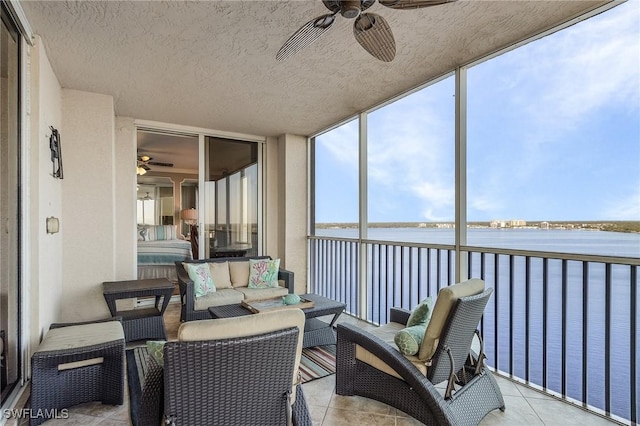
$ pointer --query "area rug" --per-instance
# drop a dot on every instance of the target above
(317, 362)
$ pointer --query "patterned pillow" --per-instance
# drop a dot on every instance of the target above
(263, 273)
(409, 339)
(421, 314)
(143, 233)
(201, 277)
(156, 350)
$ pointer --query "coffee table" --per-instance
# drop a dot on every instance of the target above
(316, 331)
(140, 323)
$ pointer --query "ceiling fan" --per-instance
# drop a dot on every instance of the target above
(370, 30)
(144, 161)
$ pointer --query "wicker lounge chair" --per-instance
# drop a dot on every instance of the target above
(236, 371)
(368, 366)
(77, 363)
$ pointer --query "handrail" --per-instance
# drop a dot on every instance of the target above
(539, 327)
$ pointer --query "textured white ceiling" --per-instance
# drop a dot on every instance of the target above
(212, 64)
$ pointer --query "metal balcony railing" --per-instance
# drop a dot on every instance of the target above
(562, 323)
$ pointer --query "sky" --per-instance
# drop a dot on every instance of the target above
(553, 133)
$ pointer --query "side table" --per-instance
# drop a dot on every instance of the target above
(140, 323)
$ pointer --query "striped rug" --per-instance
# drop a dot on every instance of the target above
(317, 362)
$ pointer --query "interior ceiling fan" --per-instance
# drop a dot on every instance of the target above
(144, 161)
(370, 30)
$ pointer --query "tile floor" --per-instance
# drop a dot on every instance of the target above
(524, 406)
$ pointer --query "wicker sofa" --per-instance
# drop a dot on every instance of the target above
(196, 308)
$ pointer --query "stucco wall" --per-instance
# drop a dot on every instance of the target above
(88, 196)
(292, 206)
(125, 199)
(44, 194)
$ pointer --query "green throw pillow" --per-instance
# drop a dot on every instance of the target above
(263, 273)
(156, 348)
(201, 277)
(421, 313)
(409, 339)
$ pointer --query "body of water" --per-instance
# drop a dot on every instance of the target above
(578, 241)
(508, 277)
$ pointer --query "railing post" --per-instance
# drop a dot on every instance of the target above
(363, 216)
(461, 174)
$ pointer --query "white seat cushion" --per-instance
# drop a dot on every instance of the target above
(262, 293)
(79, 336)
(387, 333)
(226, 296)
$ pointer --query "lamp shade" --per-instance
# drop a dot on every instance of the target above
(189, 215)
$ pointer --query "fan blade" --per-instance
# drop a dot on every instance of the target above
(306, 35)
(374, 34)
(412, 4)
(144, 166)
(157, 163)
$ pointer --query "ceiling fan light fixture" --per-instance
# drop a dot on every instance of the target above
(145, 158)
(350, 9)
(140, 171)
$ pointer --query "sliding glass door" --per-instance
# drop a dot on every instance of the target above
(231, 225)
(10, 364)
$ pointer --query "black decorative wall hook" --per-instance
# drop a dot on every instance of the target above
(56, 152)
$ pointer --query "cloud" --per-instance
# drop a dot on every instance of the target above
(554, 102)
(625, 207)
(342, 143)
(583, 68)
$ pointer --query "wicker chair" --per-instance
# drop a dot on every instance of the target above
(77, 363)
(368, 366)
(236, 371)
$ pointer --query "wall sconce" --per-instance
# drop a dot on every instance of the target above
(53, 225)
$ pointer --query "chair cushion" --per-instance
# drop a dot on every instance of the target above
(387, 333)
(220, 274)
(447, 297)
(226, 296)
(262, 293)
(81, 335)
(239, 272)
(200, 274)
(408, 339)
(263, 273)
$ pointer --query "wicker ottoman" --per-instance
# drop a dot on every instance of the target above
(77, 363)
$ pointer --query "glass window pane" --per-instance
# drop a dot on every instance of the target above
(411, 167)
(336, 181)
(9, 208)
(231, 193)
(554, 140)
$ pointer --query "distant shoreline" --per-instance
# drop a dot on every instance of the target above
(596, 225)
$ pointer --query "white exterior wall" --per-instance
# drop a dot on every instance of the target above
(89, 203)
(44, 195)
(292, 207)
(125, 199)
